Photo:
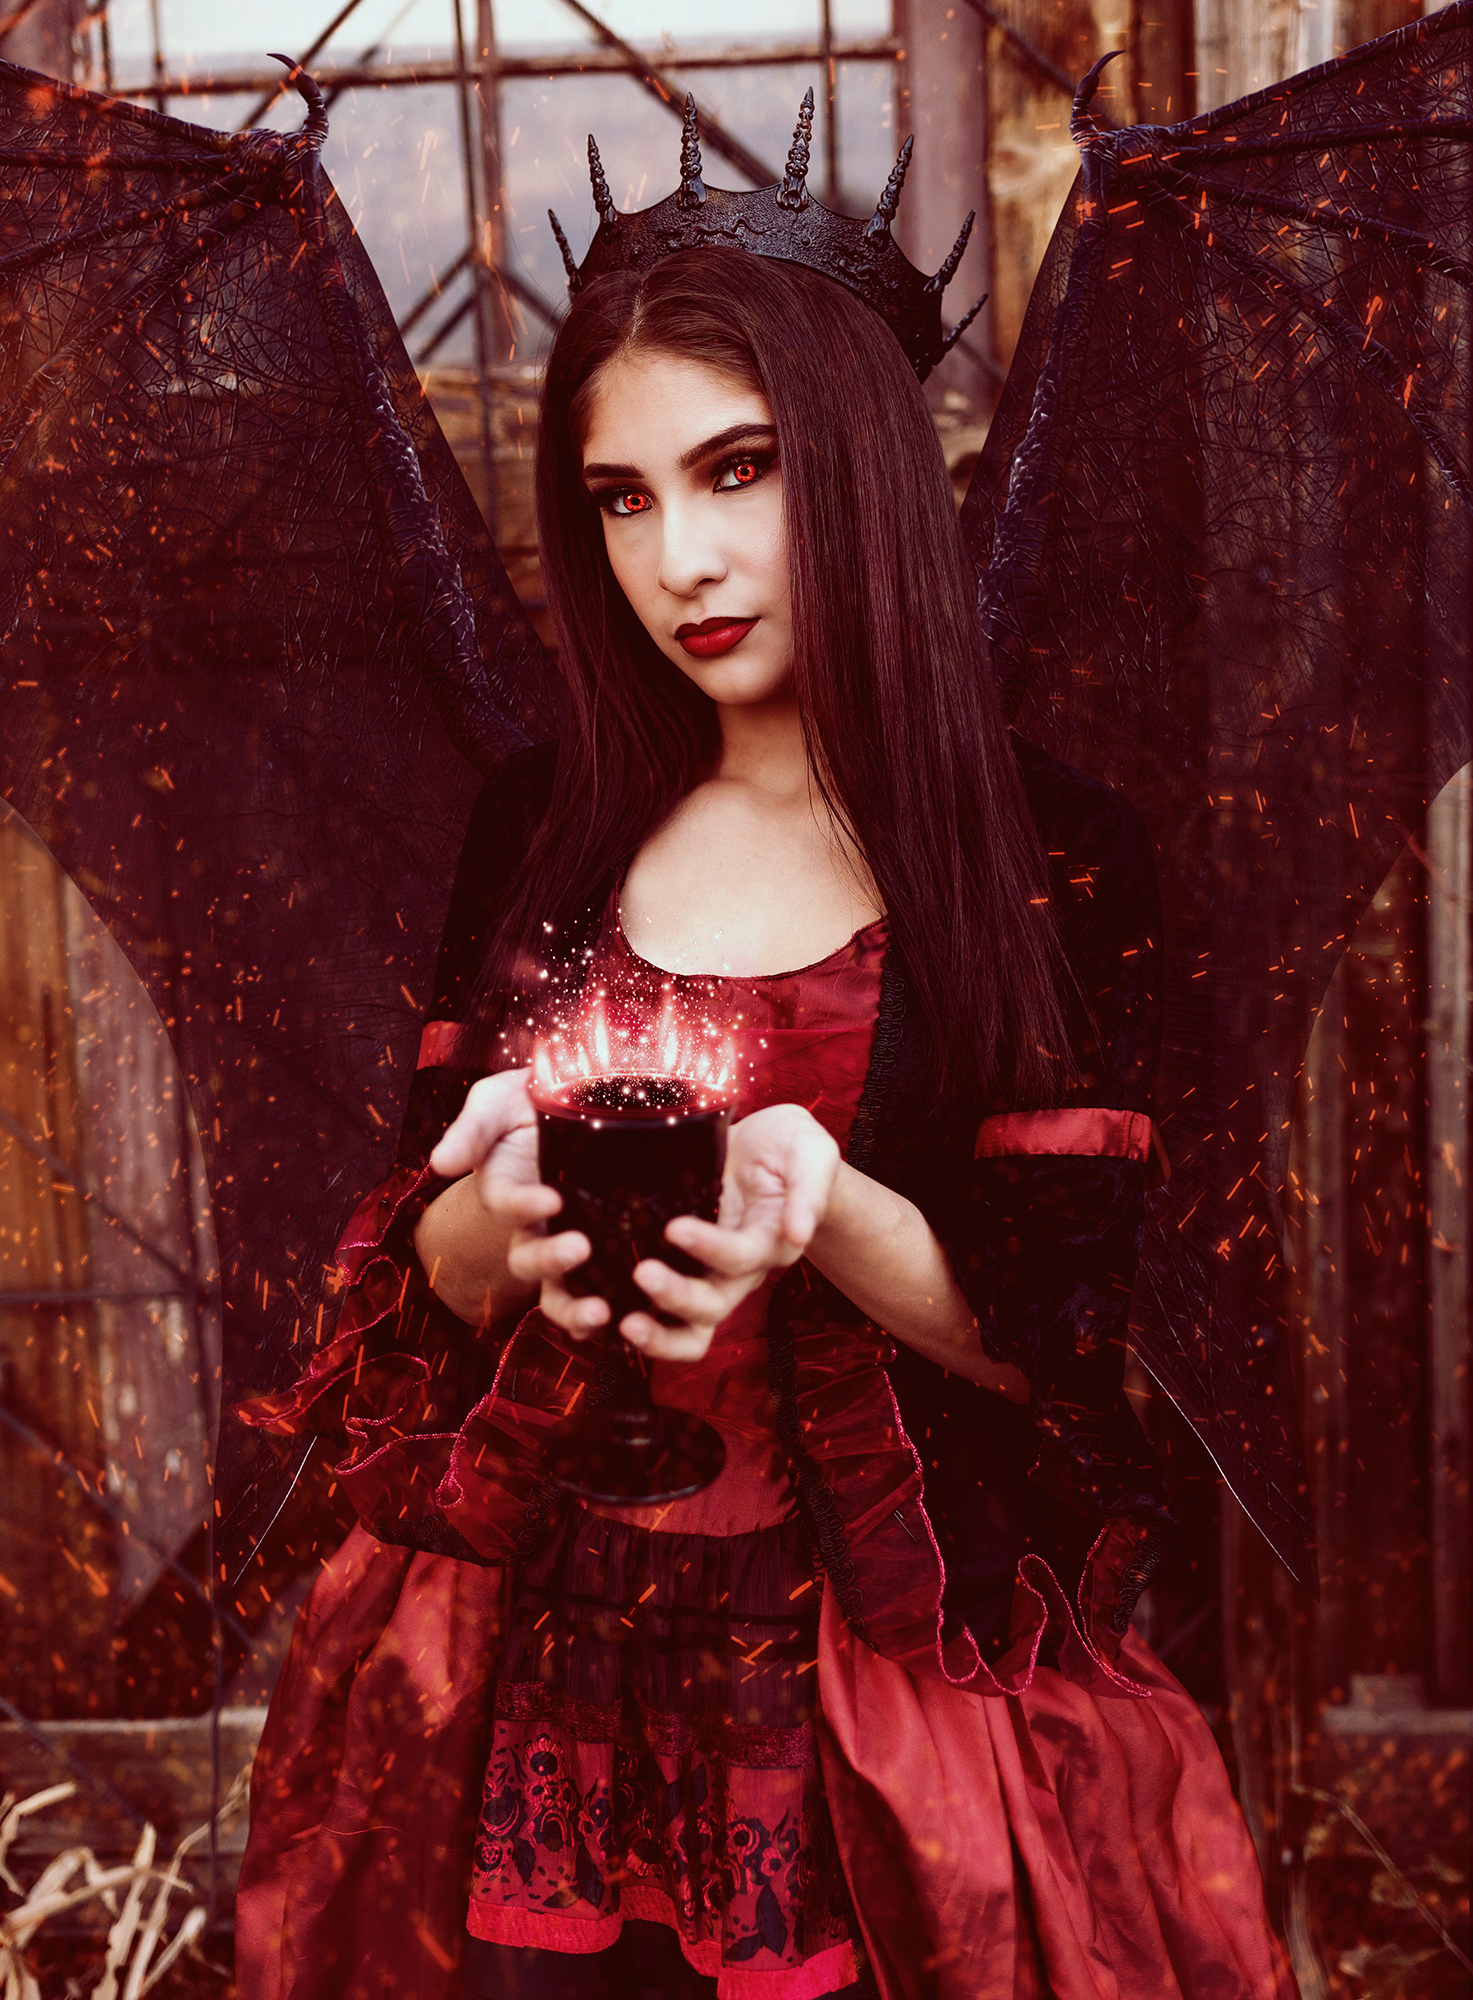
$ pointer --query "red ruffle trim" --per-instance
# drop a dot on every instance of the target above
(391, 1382)
(853, 1432)
(647, 1902)
(437, 1044)
(380, 1385)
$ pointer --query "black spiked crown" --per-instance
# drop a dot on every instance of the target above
(786, 222)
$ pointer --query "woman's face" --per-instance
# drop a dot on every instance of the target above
(682, 461)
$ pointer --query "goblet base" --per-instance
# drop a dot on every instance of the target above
(651, 1455)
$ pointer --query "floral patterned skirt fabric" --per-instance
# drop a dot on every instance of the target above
(653, 1758)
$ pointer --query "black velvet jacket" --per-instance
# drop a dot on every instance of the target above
(1044, 1244)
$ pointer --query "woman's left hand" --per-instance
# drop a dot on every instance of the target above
(780, 1168)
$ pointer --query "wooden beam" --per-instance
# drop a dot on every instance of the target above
(1449, 889)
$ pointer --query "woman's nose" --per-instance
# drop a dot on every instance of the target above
(690, 554)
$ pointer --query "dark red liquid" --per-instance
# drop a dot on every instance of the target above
(660, 1098)
(628, 1153)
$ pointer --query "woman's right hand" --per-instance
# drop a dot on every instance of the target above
(490, 1151)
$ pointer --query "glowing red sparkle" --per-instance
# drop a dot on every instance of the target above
(628, 1041)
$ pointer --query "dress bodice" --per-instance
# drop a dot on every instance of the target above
(800, 1038)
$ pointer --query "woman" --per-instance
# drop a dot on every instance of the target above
(869, 1708)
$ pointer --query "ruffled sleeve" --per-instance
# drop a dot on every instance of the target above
(1041, 1214)
(396, 1380)
(395, 1375)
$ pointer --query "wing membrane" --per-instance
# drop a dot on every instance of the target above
(1223, 519)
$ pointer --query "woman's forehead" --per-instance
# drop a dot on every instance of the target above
(650, 402)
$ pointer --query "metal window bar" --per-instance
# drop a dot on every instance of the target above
(1015, 40)
(831, 105)
(496, 291)
(13, 17)
(365, 72)
(268, 98)
(370, 54)
(714, 136)
(473, 191)
(69, 1175)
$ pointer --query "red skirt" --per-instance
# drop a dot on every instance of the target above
(654, 1757)
(1073, 1840)
(364, 1787)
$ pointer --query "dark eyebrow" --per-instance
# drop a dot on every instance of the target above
(697, 455)
(629, 473)
(723, 440)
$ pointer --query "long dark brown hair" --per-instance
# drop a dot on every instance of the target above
(898, 705)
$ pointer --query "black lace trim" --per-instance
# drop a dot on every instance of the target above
(431, 1533)
(1137, 1574)
(884, 1062)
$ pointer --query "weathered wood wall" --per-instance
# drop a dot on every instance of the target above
(107, 1396)
(58, 1554)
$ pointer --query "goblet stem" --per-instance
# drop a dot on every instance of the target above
(627, 1153)
(632, 1413)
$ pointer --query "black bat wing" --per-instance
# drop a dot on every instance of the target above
(1223, 520)
(258, 657)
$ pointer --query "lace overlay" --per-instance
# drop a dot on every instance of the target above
(653, 1756)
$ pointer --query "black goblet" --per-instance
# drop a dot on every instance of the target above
(628, 1153)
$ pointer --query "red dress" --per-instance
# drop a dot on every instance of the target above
(684, 1727)
(654, 1750)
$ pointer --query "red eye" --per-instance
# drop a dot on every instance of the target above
(634, 503)
(744, 472)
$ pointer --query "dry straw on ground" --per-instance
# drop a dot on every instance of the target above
(142, 1900)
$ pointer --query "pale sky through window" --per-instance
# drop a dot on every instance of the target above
(396, 155)
(193, 29)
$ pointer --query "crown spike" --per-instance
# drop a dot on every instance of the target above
(961, 326)
(785, 222)
(942, 278)
(692, 187)
(889, 201)
(793, 192)
(603, 201)
(569, 262)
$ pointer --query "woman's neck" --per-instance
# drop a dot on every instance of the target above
(762, 747)
(748, 876)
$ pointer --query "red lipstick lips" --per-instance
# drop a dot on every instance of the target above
(713, 636)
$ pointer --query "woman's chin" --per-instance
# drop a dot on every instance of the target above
(732, 682)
